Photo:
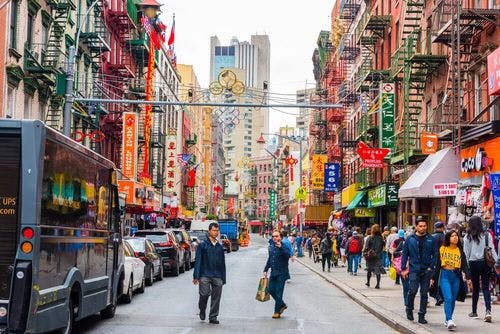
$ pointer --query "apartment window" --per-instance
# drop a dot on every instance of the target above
(13, 25)
(29, 29)
(27, 106)
(264, 168)
(11, 102)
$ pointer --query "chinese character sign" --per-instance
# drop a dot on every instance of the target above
(129, 150)
(387, 115)
(372, 157)
(171, 156)
(318, 171)
(272, 203)
(495, 190)
(392, 194)
(332, 176)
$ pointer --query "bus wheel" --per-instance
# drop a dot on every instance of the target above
(71, 319)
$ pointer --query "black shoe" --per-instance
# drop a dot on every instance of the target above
(421, 320)
(377, 286)
(439, 303)
(367, 284)
(409, 315)
(202, 314)
(214, 321)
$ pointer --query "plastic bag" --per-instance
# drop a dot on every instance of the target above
(392, 273)
(263, 290)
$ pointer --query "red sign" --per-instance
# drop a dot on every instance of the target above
(494, 72)
(129, 146)
(372, 157)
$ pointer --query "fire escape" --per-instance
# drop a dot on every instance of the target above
(458, 28)
(43, 61)
(117, 74)
(411, 66)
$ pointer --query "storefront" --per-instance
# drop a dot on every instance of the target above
(384, 199)
(316, 216)
(359, 214)
(418, 195)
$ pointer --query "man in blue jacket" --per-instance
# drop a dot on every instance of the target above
(210, 273)
(278, 263)
(421, 252)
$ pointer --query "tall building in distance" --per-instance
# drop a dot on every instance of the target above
(303, 96)
(248, 63)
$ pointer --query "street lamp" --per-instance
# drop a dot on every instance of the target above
(296, 140)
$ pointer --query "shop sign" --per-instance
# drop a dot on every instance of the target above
(332, 173)
(476, 163)
(171, 155)
(348, 194)
(444, 189)
(372, 157)
(272, 203)
(129, 150)
(494, 72)
(385, 194)
(428, 143)
(318, 171)
(387, 115)
(127, 187)
(365, 212)
(495, 190)
(392, 194)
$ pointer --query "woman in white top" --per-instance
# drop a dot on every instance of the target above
(475, 242)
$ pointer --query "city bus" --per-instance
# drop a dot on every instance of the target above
(61, 257)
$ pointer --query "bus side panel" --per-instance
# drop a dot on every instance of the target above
(95, 293)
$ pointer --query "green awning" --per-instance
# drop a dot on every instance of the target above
(359, 201)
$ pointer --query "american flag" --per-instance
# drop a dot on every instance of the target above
(183, 158)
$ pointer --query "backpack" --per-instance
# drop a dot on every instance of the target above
(309, 243)
(354, 246)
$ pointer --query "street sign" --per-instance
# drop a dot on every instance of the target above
(301, 194)
(332, 173)
(372, 157)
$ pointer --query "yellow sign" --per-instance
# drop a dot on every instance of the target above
(348, 194)
(318, 171)
(365, 212)
(300, 194)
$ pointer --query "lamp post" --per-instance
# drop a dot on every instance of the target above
(296, 140)
(70, 74)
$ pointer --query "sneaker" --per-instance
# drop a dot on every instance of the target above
(421, 320)
(473, 315)
(450, 325)
(276, 315)
(355, 274)
(487, 317)
(409, 315)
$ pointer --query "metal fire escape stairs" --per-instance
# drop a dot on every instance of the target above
(413, 67)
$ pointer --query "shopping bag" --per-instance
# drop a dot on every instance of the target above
(392, 273)
(263, 290)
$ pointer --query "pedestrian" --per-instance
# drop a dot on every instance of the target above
(210, 273)
(420, 255)
(354, 249)
(309, 245)
(438, 236)
(344, 237)
(389, 240)
(397, 251)
(277, 261)
(299, 240)
(451, 265)
(326, 251)
(373, 255)
(475, 243)
(385, 255)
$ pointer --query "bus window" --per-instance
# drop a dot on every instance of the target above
(10, 150)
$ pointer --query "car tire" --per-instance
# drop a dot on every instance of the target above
(175, 271)
(127, 298)
(150, 279)
(182, 268)
(71, 319)
(109, 311)
(160, 273)
(187, 265)
(143, 285)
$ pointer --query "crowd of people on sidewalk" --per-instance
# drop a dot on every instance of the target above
(445, 265)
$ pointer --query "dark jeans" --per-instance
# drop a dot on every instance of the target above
(479, 271)
(406, 288)
(276, 288)
(210, 287)
(328, 258)
(419, 279)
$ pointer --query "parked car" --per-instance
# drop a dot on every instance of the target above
(226, 243)
(196, 238)
(168, 247)
(134, 275)
(145, 250)
(185, 243)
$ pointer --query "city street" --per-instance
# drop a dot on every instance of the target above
(170, 306)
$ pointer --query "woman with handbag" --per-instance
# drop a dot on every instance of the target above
(373, 255)
(478, 251)
(451, 266)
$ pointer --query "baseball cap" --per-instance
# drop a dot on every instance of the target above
(355, 233)
(438, 224)
(401, 233)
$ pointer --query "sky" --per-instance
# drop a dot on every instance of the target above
(293, 27)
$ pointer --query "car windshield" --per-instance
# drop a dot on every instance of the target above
(137, 244)
(201, 235)
(155, 237)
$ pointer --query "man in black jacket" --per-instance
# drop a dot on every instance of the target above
(210, 273)
(438, 236)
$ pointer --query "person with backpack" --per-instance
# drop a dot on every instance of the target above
(373, 255)
(326, 251)
(476, 243)
(354, 248)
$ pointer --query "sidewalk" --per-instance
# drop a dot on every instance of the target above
(387, 303)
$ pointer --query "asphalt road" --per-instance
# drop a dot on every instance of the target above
(170, 306)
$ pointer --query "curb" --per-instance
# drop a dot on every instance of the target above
(390, 318)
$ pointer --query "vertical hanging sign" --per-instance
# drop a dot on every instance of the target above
(171, 154)
(129, 150)
(495, 190)
(332, 171)
(272, 203)
(318, 171)
(387, 115)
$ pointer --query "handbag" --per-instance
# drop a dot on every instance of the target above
(370, 255)
(488, 253)
(263, 290)
(392, 273)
